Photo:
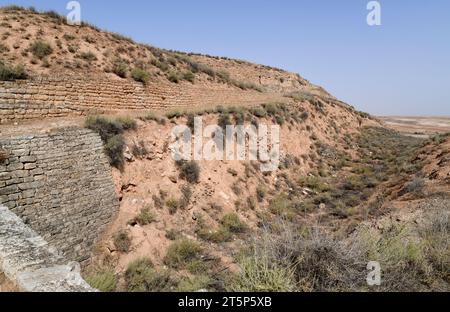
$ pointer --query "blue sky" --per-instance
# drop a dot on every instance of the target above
(399, 68)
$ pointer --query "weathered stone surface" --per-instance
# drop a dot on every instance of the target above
(30, 263)
(61, 96)
(60, 178)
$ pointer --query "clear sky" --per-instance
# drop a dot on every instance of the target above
(399, 68)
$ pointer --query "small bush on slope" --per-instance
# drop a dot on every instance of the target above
(140, 75)
(103, 280)
(41, 49)
(122, 241)
(141, 276)
(110, 131)
(181, 253)
(8, 73)
(189, 171)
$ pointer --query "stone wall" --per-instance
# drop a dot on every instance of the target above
(71, 96)
(30, 263)
(60, 184)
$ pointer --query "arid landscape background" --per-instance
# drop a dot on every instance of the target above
(85, 161)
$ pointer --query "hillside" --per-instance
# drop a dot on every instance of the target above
(347, 190)
(44, 45)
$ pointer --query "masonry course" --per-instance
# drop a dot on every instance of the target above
(60, 184)
(52, 96)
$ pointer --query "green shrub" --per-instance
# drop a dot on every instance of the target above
(260, 194)
(186, 191)
(174, 114)
(141, 276)
(161, 65)
(139, 150)
(105, 127)
(122, 241)
(191, 121)
(189, 171)
(224, 121)
(145, 217)
(259, 112)
(173, 77)
(103, 280)
(69, 37)
(126, 122)
(114, 149)
(41, 49)
(152, 117)
(262, 275)
(415, 186)
(189, 76)
(281, 206)
(140, 75)
(232, 223)
(223, 75)
(120, 68)
(195, 283)
(173, 205)
(221, 235)
(172, 235)
(314, 183)
(88, 56)
(181, 253)
(8, 73)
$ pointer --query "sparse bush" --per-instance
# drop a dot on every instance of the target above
(189, 76)
(259, 112)
(141, 276)
(195, 283)
(69, 37)
(120, 68)
(8, 73)
(191, 121)
(181, 253)
(150, 116)
(189, 171)
(172, 235)
(145, 217)
(259, 274)
(281, 206)
(163, 66)
(186, 191)
(173, 77)
(174, 114)
(103, 280)
(173, 205)
(415, 186)
(122, 241)
(140, 75)
(224, 121)
(114, 148)
(139, 150)
(218, 236)
(232, 223)
(88, 56)
(105, 127)
(260, 194)
(126, 122)
(41, 49)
